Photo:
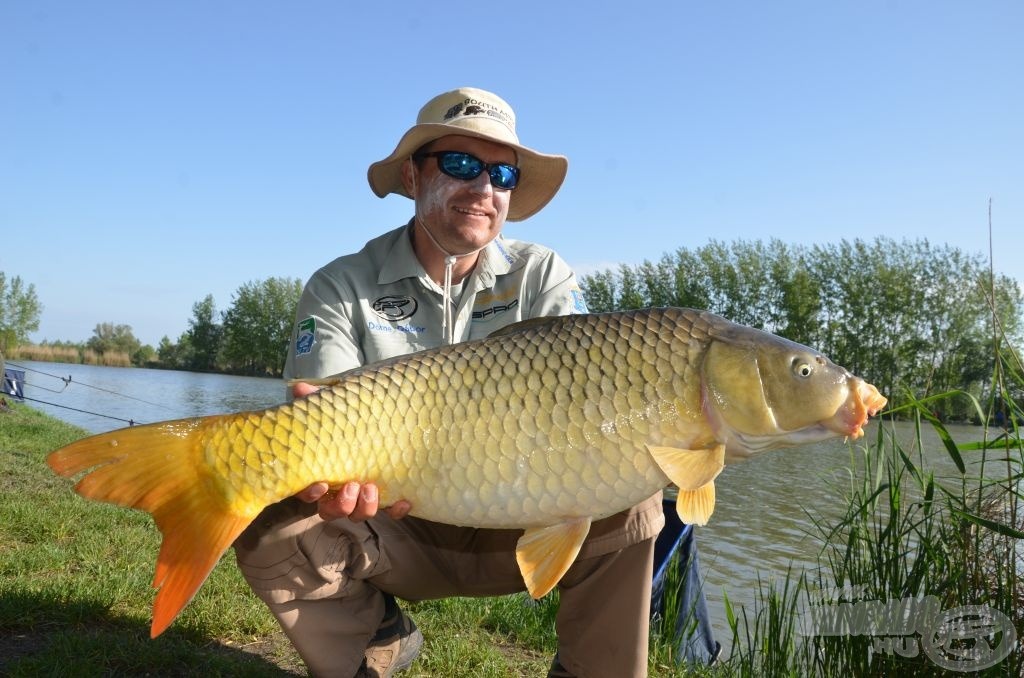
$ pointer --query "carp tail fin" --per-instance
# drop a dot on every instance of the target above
(160, 469)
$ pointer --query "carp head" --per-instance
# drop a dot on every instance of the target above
(763, 392)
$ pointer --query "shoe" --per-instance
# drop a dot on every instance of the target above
(557, 670)
(394, 647)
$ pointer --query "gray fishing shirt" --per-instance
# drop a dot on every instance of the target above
(380, 303)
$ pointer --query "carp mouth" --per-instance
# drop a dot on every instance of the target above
(863, 403)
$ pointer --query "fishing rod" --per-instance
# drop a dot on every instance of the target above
(67, 382)
(130, 422)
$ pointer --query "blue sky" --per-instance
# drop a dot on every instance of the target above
(153, 153)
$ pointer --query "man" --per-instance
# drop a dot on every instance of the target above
(329, 563)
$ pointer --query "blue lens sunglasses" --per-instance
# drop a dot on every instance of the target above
(464, 166)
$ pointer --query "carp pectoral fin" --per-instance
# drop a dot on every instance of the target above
(545, 553)
(696, 506)
(689, 469)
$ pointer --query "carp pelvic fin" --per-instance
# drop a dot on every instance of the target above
(545, 554)
(696, 506)
(158, 468)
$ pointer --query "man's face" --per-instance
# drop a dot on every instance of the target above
(462, 215)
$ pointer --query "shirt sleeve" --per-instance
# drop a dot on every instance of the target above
(324, 342)
(560, 293)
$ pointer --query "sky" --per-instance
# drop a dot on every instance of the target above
(154, 153)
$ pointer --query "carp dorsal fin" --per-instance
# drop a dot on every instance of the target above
(694, 472)
(544, 554)
(528, 324)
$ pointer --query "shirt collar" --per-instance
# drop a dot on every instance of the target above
(401, 262)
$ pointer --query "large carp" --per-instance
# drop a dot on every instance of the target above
(545, 425)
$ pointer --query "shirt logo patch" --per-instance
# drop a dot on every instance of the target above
(497, 309)
(306, 336)
(395, 307)
(579, 303)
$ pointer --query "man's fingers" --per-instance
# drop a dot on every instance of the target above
(366, 505)
(301, 389)
(313, 492)
(353, 501)
(399, 509)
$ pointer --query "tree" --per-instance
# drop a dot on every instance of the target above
(258, 326)
(204, 336)
(900, 314)
(111, 338)
(19, 311)
(174, 356)
(599, 289)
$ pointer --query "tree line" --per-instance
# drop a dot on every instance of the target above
(908, 316)
(250, 337)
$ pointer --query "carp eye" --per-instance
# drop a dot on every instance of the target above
(802, 368)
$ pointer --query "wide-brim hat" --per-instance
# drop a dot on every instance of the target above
(472, 112)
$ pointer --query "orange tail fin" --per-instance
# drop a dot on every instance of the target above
(160, 469)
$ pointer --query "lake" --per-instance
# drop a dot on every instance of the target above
(101, 399)
(760, 525)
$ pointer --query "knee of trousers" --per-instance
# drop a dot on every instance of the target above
(289, 553)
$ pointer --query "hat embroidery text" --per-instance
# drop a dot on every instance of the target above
(476, 107)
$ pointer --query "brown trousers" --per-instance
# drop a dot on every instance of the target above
(323, 581)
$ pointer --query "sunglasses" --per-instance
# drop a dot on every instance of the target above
(466, 167)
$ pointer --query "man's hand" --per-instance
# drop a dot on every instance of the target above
(353, 501)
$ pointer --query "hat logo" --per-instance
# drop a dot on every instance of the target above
(453, 111)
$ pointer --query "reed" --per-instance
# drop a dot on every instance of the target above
(107, 358)
(913, 561)
(75, 355)
(47, 353)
